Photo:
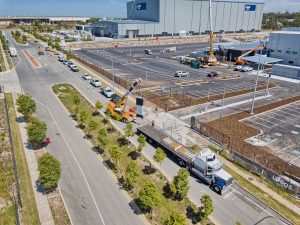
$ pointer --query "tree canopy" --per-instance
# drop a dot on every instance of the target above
(149, 197)
(175, 218)
(36, 131)
(180, 186)
(26, 105)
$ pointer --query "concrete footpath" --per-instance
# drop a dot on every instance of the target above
(43, 207)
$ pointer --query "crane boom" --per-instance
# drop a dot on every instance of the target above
(240, 61)
(124, 97)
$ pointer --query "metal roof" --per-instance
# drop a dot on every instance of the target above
(262, 59)
(99, 23)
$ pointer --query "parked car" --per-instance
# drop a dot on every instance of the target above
(74, 68)
(246, 69)
(181, 74)
(40, 52)
(66, 62)
(47, 48)
(61, 58)
(86, 76)
(213, 74)
(148, 51)
(107, 92)
(115, 98)
(237, 68)
(95, 82)
(70, 64)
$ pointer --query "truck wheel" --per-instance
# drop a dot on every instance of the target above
(217, 189)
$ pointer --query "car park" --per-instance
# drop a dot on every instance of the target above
(107, 92)
(74, 68)
(213, 74)
(115, 98)
(181, 74)
(95, 82)
(86, 76)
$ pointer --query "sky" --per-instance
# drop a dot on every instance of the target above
(100, 8)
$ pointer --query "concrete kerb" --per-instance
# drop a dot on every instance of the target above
(128, 197)
(135, 144)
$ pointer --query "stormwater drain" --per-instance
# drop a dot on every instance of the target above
(294, 132)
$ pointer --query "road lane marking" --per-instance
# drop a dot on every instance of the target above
(73, 155)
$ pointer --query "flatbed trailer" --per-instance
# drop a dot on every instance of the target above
(220, 180)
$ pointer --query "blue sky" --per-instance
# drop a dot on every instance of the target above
(99, 8)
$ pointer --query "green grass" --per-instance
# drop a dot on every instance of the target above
(266, 198)
(65, 92)
(3, 67)
(7, 215)
(29, 213)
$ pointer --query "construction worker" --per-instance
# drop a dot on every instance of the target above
(153, 123)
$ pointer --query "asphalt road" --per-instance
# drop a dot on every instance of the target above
(91, 194)
(234, 205)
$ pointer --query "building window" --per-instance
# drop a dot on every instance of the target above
(291, 62)
(288, 52)
(279, 51)
(295, 53)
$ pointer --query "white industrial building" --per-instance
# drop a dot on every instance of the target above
(285, 45)
(180, 17)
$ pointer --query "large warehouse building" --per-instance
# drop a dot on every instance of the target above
(180, 17)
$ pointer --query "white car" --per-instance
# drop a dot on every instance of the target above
(246, 69)
(86, 76)
(95, 82)
(238, 68)
(181, 74)
(107, 92)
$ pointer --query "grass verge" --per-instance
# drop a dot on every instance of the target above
(2, 64)
(58, 210)
(7, 215)
(29, 213)
(264, 197)
(160, 213)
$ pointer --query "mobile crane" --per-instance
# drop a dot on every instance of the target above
(241, 61)
(116, 108)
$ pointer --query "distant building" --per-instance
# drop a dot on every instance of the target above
(174, 17)
(42, 19)
(285, 45)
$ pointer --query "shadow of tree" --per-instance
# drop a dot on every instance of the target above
(122, 141)
(193, 214)
(149, 170)
(109, 164)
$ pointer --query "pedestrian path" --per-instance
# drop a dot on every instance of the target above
(4, 57)
(43, 207)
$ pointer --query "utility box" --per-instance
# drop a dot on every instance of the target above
(139, 106)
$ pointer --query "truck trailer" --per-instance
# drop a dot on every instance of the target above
(204, 165)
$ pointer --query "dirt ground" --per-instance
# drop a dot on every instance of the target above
(58, 209)
(229, 130)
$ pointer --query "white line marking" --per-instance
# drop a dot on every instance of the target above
(85, 179)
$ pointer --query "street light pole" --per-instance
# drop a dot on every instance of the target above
(146, 76)
(223, 97)
(112, 72)
(267, 88)
(256, 81)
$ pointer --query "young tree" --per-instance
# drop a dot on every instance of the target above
(175, 218)
(36, 132)
(142, 142)
(50, 171)
(76, 111)
(76, 100)
(70, 55)
(132, 174)
(149, 197)
(115, 153)
(207, 206)
(92, 125)
(159, 156)
(24, 38)
(129, 131)
(98, 105)
(26, 106)
(83, 115)
(102, 138)
(180, 185)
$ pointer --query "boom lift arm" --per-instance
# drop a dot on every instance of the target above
(124, 97)
(240, 60)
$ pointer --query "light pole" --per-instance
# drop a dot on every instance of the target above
(223, 97)
(256, 81)
(146, 77)
(112, 72)
(267, 88)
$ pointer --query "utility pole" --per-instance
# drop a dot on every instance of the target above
(223, 97)
(208, 95)
(256, 81)
(146, 76)
(267, 88)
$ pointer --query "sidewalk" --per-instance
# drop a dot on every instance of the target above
(43, 207)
